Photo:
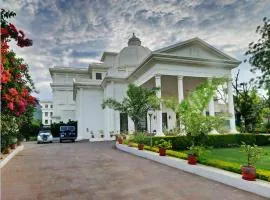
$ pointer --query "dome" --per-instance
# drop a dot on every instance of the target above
(133, 54)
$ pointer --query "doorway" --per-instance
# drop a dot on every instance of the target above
(123, 122)
(164, 121)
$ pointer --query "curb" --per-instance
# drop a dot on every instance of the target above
(258, 187)
(10, 156)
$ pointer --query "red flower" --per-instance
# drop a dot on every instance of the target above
(13, 91)
(32, 100)
(22, 67)
(25, 92)
(18, 76)
(11, 106)
(5, 76)
(4, 31)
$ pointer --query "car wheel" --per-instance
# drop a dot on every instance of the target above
(50, 141)
(60, 141)
(38, 142)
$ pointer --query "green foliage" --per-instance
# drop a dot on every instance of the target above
(190, 110)
(229, 166)
(196, 150)
(216, 141)
(163, 144)
(136, 103)
(259, 53)
(253, 153)
(139, 138)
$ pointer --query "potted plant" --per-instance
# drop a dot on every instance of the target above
(119, 138)
(253, 153)
(193, 153)
(13, 143)
(101, 133)
(19, 140)
(139, 138)
(163, 145)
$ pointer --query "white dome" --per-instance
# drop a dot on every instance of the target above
(133, 54)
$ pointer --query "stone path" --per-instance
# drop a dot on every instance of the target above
(97, 171)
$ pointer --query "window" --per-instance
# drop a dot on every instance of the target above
(46, 121)
(51, 114)
(98, 76)
(46, 105)
(46, 114)
(51, 106)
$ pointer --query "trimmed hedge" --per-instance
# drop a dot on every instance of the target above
(216, 141)
(228, 166)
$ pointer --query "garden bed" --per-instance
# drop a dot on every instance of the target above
(218, 163)
(258, 187)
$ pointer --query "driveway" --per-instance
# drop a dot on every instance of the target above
(97, 171)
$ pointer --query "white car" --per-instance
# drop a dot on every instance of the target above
(44, 136)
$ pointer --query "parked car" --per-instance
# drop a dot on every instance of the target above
(44, 136)
(68, 133)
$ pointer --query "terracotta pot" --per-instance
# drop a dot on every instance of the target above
(249, 173)
(120, 140)
(162, 151)
(13, 146)
(140, 146)
(192, 159)
(6, 151)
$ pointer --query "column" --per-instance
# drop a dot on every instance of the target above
(159, 112)
(231, 106)
(211, 106)
(180, 88)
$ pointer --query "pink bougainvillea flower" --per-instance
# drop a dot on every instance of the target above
(13, 91)
(11, 106)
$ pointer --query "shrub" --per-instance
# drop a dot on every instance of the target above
(163, 144)
(139, 138)
(216, 141)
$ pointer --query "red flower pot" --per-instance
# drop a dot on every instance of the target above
(162, 151)
(120, 140)
(13, 146)
(192, 159)
(140, 146)
(6, 151)
(249, 173)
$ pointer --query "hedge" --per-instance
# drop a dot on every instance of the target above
(216, 141)
(228, 166)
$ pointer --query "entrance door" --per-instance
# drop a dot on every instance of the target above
(164, 121)
(123, 122)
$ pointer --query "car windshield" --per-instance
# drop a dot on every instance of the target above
(67, 128)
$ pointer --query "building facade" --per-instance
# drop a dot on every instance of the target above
(177, 69)
(47, 112)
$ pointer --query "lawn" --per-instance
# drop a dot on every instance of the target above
(236, 156)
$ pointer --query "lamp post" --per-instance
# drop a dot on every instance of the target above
(150, 113)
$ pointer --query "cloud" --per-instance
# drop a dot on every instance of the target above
(75, 33)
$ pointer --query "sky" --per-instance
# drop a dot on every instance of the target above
(74, 33)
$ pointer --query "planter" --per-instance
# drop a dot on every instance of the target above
(140, 146)
(192, 159)
(162, 151)
(120, 140)
(13, 146)
(249, 173)
(6, 151)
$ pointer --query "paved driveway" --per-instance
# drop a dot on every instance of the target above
(97, 171)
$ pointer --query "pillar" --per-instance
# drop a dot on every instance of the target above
(180, 88)
(159, 112)
(231, 107)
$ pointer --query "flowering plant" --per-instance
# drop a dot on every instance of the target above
(16, 83)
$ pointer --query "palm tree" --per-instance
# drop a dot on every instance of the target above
(136, 103)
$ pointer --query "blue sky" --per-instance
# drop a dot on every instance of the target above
(75, 33)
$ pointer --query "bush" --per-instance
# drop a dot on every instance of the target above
(216, 141)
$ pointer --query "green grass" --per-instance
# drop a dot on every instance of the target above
(236, 156)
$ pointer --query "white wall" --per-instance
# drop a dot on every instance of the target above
(91, 116)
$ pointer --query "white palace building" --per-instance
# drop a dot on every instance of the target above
(176, 69)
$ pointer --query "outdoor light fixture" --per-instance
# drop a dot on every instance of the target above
(150, 113)
(170, 117)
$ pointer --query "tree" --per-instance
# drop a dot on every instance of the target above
(259, 53)
(196, 125)
(16, 82)
(248, 104)
(136, 103)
